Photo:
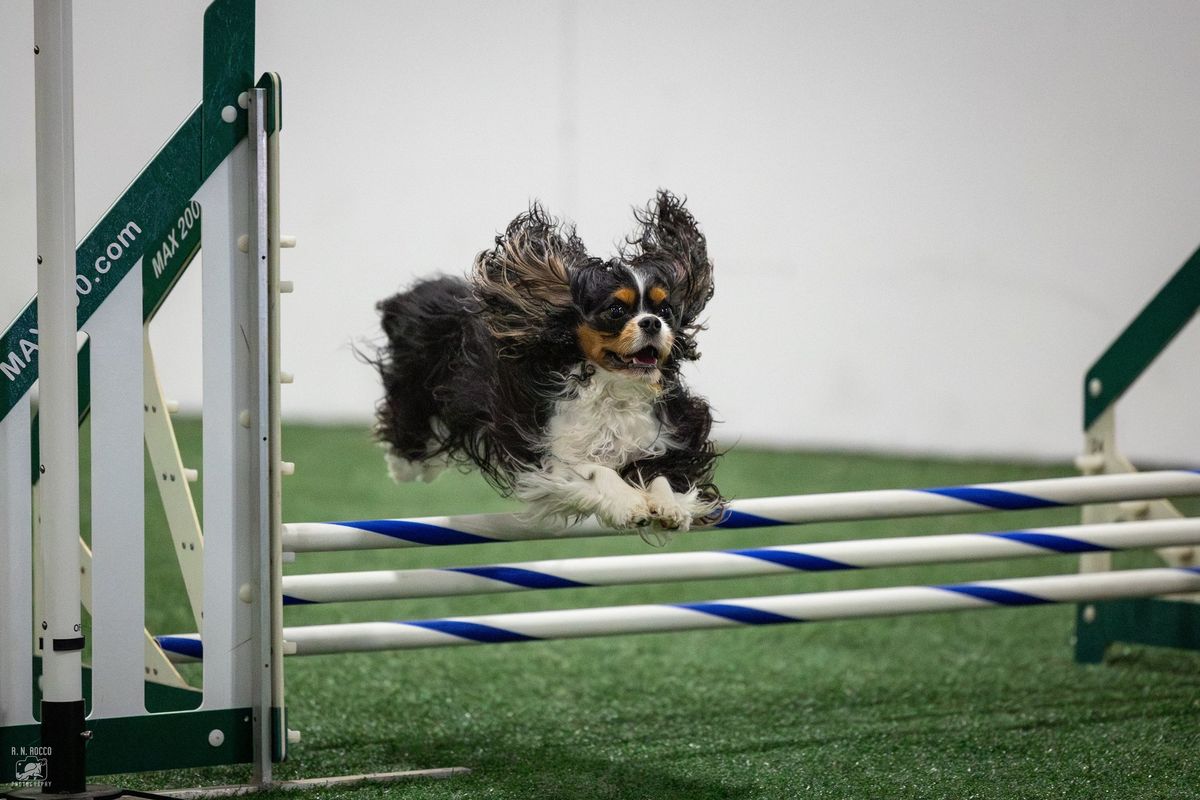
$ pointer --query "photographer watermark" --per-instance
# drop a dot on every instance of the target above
(30, 766)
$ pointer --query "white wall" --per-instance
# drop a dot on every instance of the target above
(927, 218)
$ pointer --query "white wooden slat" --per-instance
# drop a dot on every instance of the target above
(16, 574)
(118, 503)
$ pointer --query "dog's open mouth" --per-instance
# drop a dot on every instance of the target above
(645, 359)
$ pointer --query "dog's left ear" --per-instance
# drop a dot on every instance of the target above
(670, 237)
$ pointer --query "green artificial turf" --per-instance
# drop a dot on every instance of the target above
(965, 705)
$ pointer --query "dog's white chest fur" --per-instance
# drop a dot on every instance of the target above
(609, 421)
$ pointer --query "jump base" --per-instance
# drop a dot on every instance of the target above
(1146, 621)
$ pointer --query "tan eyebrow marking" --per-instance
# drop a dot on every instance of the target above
(625, 295)
(658, 294)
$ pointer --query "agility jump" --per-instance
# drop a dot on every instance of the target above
(761, 512)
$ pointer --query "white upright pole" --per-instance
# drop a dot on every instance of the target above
(60, 627)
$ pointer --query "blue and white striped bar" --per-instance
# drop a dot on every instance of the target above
(761, 512)
(579, 623)
(571, 573)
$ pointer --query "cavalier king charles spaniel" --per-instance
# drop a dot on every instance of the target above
(557, 373)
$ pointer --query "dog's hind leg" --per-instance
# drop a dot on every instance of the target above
(405, 470)
(424, 328)
(412, 449)
(417, 463)
(416, 466)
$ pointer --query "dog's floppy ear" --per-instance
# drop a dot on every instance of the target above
(670, 237)
(524, 282)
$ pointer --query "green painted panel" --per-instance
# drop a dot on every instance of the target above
(142, 218)
(168, 257)
(170, 741)
(1140, 343)
(1148, 621)
(274, 86)
(18, 358)
(174, 740)
(173, 736)
(228, 71)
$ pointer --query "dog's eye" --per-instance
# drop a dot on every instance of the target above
(616, 311)
(665, 310)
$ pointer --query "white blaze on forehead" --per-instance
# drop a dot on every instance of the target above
(643, 279)
(640, 277)
(644, 302)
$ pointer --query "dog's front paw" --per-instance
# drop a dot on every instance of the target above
(629, 510)
(670, 516)
(665, 507)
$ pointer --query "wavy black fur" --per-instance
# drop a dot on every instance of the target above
(471, 370)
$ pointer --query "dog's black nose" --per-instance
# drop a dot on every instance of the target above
(650, 324)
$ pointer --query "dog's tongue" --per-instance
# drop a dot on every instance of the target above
(647, 356)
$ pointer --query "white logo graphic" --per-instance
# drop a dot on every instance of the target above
(31, 769)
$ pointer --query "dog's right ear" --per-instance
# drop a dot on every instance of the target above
(524, 282)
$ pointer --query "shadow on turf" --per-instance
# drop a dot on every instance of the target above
(552, 772)
(1147, 659)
